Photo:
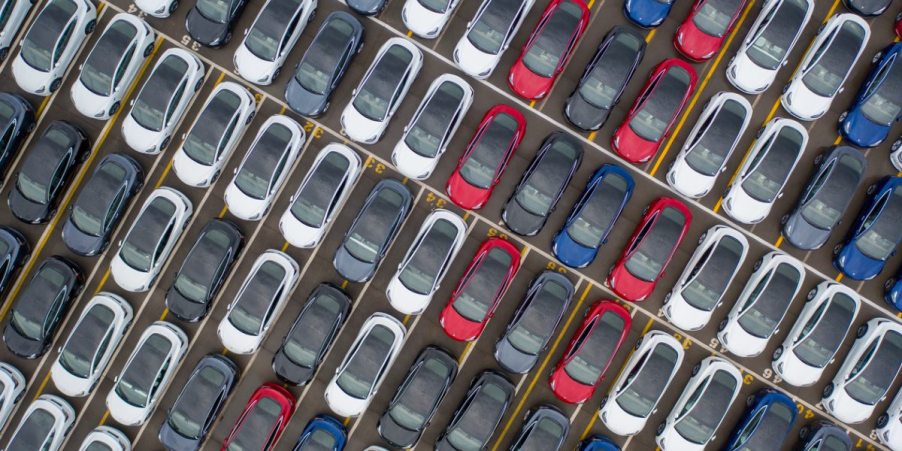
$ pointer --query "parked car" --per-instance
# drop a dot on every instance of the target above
(592, 347)
(488, 35)
(265, 168)
(151, 239)
(84, 356)
(46, 171)
(16, 123)
(37, 310)
(878, 104)
(895, 155)
(867, 7)
(214, 135)
(757, 313)
(702, 33)
(427, 19)
(14, 252)
(266, 44)
(530, 329)
(646, 375)
(44, 425)
(593, 216)
(367, 7)
(643, 260)
(477, 294)
(199, 403)
(17, 11)
(824, 434)
(51, 43)
(105, 438)
(598, 443)
(825, 66)
(647, 13)
(368, 360)
(483, 161)
(111, 66)
(160, 9)
(478, 415)
(324, 433)
(147, 373)
(263, 419)
(320, 196)
(654, 111)
(709, 145)
(210, 22)
(12, 390)
(875, 235)
(889, 425)
(768, 418)
(542, 184)
(544, 429)
(893, 291)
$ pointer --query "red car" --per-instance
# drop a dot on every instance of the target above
(654, 111)
(483, 161)
(479, 290)
(545, 54)
(701, 35)
(661, 229)
(262, 420)
(591, 349)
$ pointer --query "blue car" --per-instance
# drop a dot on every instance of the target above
(893, 294)
(878, 103)
(823, 436)
(647, 13)
(876, 234)
(766, 423)
(598, 443)
(592, 216)
(322, 432)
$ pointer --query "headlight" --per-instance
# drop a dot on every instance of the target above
(485, 73)
(780, 367)
(788, 99)
(709, 54)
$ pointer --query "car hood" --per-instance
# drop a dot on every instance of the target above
(184, 309)
(172, 440)
(124, 412)
(412, 164)
(129, 278)
(521, 221)
(583, 114)
(251, 67)
(749, 77)
(689, 182)
(694, 44)
(740, 342)
(81, 243)
(741, 207)
(458, 327)
(140, 138)
(631, 146)
(68, 383)
(856, 265)
(30, 79)
(89, 103)
(289, 371)
(801, 234)
(21, 346)
(472, 61)
(646, 13)
(205, 30)
(628, 286)
(861, 131)
(618, 420)
(351, 268)
(571, 253)
(672, 440)
(804, 104)
(404, 300)
(190, 171)
(527, 83)
(567, 389)
(303, 101)
(366, 7)
(25, 209)
(422, 21)
(846, 409)
(683, 315)
(236, 341)
(297, 233)
(358, 127)
(342, 404)
(395, 434)
(242, 205)
(795, 372)
(512, 359)
(465, 195)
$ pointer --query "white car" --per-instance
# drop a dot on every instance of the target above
(763, 175)
(762, 304)
(427, 18)
(635, 394)
(12, 388)
(819, 331)
(488, 35)
(889, 424)
(151, 239)
(713, 387)
(160, 9)
(259, 303)
(265, 168)
(163, 100)
(266, 44)
(767, 44)
(867, 374)
(83, 359)
(44, 426)
(105, 438)
(16, 12)
(708, 147)
(710, 271)
(211, 140)
(381, 90)
(147, 373)
(365, 365)
(51, 43)
(320, 196)
(427, 261)
(432, 126)
(825, 66)
(112, 65)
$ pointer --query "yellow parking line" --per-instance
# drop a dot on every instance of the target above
(165, 314)
(404, 180)
(839, 277)
(164, 174)
(647, 326)
(409, 33)
(588, 427)
(405, 320)
(282, 110)
(103, 279)
(41, 107)
(589, 5)
(466, 352)
(222, 212)
(346, 421)
(717, 205)
(41, 387)
(225, 351)
(103, 419)
(591, 136)
(284, 246)
(466, 215)
(344, 284)
(779, 241)
(532, 103)
(837, 140)
(219, 79)
(650, 35)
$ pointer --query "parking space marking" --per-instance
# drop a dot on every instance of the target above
(650, 35)
(779, 241)
(592, 135)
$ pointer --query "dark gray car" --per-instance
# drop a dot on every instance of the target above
(867, 7)
(210, 22)
(16, 122)
(100, 204)
(204, 270)
(604, 78)
(534, 322)
(373, 230)
(14, 251)
(545, 429)
(366, 7)
(310, 337)
(475, 420)
(837, 175)
(542, 184)
(324, 64)
(418, 397)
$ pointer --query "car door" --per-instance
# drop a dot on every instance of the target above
(163, 246)
(290, 34)
(62, 51)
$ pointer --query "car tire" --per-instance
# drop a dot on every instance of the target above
(165, 143)
(148, 50)
(89, 27)
(871, 189)
(4, 52)
(896, 145)
(638, 343)
(115, 108)
(276, 73)
(827, 391)
(862, 329)
(722, 325)
(803, 433)
(840, 120)
(882, 420)
(777, 353)
(173, 6)
(660, 429)
(667, 297)
(197, 85)
(877, 57)
(784, 219)
(785, 88)
(702, 237)
(820, 157)
(757, 265)
(604, 401)
(227, 38)
(250, 118)
(811, 294)
(889, 283)
(749, 400)
(55, 84)
(837, 249)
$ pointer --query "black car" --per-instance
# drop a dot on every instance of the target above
(16, 122)
(204, 270)
(542, 184)
(823, 435)
(475, 420)
(604, 78)
(40, 306)
(825, 198)
(418, 397)
(47, 169)
(311, 335)
(100, 204)
(534, 322)
(14, 251)
(867, 7)
(324, 63)
(373, 230)
(210, 22)
(544, 430)
(198, 405)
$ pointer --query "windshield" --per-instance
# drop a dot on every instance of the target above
(436, 6)
(100, 67)
(36, 431)
(647, 382)
(207, 137)
(876, 370)
(42, 163)
(704, 410)
(490, 30)
(477, 423)
(483, 162)
(254, 303)
(374, 225)
(315, 199)
(37, 301)
(197, 276)
(377, 93)
(663, 102)
(87, 341)
(138, 249)
(256, 429)
(94, 204)
(709, 151)
(833, 64)
(885, 104)
(714, 16)
(595, 351)
(43, 36)
(549, 46)
(419, 397)
(265, 38)
(549, 176)
(308, 337)
(420, 273)
(603, 85)
(358, 377)
(819, 339)
(214, 10)
(710, 278)
(767, 303)
(142, 374)
(883, 234)
(534, 328)
(158, 93)
(320, 62)
(484, 283)
(264, 162)
(193, 407)
(772, 165)
(599, 211)
(430, 131)
(826, 207)
(778, 34)
(656, 245)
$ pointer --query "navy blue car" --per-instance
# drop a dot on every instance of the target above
(593, 216)
(893, 293)
(598, 443)
(823, 436)
(647, 13)
(322, 433)
(878, 103)
(876, 234)
(766, 423)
